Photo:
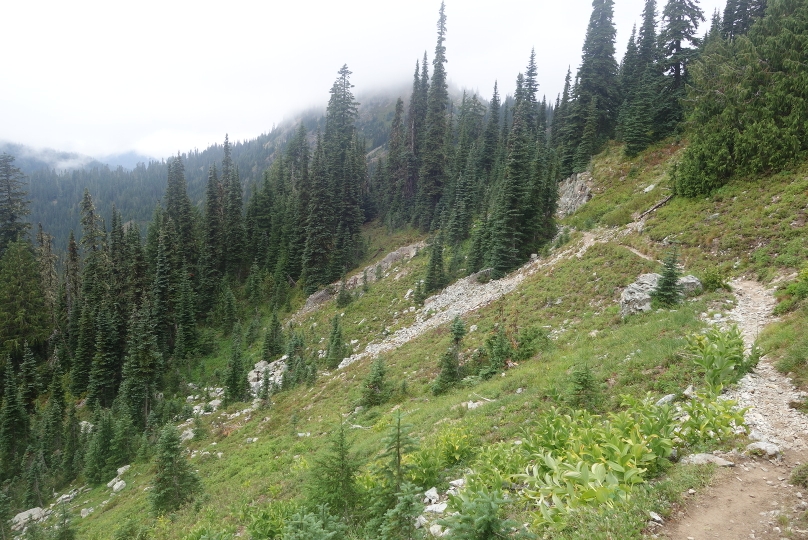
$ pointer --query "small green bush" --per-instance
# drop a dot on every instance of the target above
(799, 476)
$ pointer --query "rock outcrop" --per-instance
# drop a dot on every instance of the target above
(573, 193)
(636, 298)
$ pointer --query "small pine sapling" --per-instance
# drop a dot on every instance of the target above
(668, 291)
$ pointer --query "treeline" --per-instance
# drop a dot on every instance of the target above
(111, 330)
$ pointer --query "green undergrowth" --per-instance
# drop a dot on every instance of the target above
(593, 357)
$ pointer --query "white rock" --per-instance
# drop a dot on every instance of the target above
(216, 403)
(689, 393)
(459, 483)
(119, 485)
(656, 517)
(431, 496)
(123, 469)
(436, 530)
(665, 400)
(112, 482)
(420, 521)
(763, 448)
(187, 435)
(649, 188)
(703, 459)
(86, 512)
(23, 518)
(438, 508)
(636, 298)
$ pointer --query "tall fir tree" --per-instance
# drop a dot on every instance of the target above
(434, 156)
(13, 202)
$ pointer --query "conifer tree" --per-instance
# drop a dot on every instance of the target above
(214, 224)
(435, 273)
(13, 426)
(105, 369)
(332, 479)
(72, 456)
(29, 378)
(490, 142)
(13, 203)
(235, 384)
(668, 292)
(319, 223)
(22, 305)
(434, 157)
(375, 390)
(52, 437)
(681, 20)
(273, 339)
(178, 208)
(141, 369)
(234, 231)
(174, 482)
(597, 86)
(337, 349)
(96, 469)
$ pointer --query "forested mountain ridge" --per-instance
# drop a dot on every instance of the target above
(134, 330)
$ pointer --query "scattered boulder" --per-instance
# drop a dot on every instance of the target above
(123, 469)
(86, 512)
(431, 496)
(763, 448)
(436, 530)
(187, 435)
(656, 517)
(437, 508)
(704, 459)
(665, 400)
(274, 370)
(119, 485)
(691, 286)
(636, 298)
(19, 521)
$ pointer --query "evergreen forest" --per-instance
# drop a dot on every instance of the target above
(129, 297)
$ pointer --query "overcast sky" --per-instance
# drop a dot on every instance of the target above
(101, 77)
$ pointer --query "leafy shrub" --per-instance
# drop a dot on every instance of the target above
(721, 355)
(454, 445)
(423, 466)
(709, 418)
(268, 522)
(799, 476)
(713, 279)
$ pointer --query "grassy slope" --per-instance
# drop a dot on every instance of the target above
(751, 232)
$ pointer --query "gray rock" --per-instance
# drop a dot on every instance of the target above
(689, 392)
(656, 517)
(438, 508)
(704, 459)
(420, 521)
(123, 469)
(436, 530)
(666, 400)
(215, 404)
(187, 435)
(431, 496)
(86, 512)
(691, 286)
(19, 521)
(636, 298)
(763, 448)
(459, 483)
(119, 485)
(573, 193)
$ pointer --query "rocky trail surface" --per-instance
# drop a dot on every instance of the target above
(753, 499)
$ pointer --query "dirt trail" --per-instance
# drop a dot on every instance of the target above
(753, 499)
